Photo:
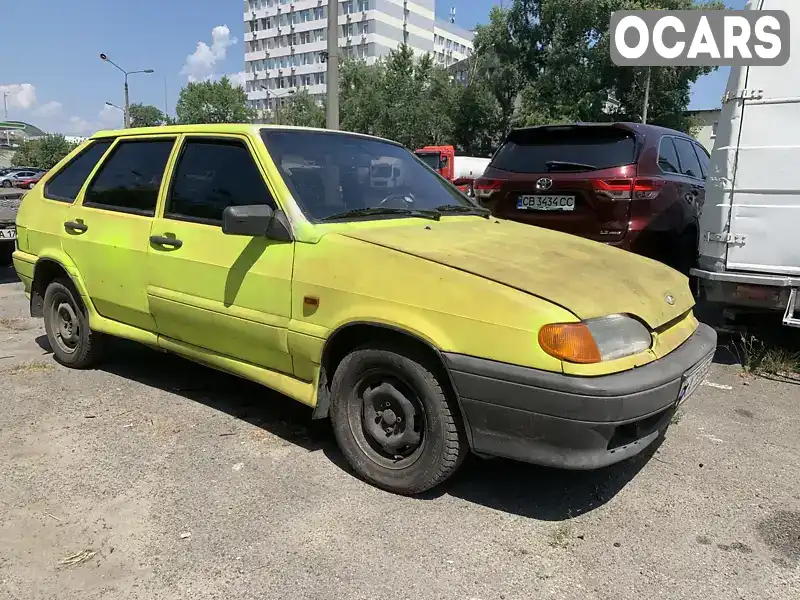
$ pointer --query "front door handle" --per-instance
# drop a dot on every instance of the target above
(75, 226)
(160, 240)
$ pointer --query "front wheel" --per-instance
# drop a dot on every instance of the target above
(393, 421)
(67, 327)
(6, 183)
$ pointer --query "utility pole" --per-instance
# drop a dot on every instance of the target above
(646, 97)
(5, 108)
(332, 77)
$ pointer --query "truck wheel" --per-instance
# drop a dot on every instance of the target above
(393, 421)
(67, 327)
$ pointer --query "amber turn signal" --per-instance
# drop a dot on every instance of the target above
(572, 342)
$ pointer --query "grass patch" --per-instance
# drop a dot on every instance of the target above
(765, 357)
(560, 537)
(28, 368)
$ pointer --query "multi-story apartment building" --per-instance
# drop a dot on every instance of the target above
(285, 41)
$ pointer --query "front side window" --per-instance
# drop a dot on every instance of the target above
(129, 180)
(332, 174)
(690, 166)
(213, 174)
(668, 156)
(67, 183)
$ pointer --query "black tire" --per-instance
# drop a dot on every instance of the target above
(74, 344)
(31, 186)
(6, 183)
(389, 373)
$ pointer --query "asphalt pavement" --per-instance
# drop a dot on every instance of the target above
(154, 478)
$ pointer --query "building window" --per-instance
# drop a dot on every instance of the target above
(714, 127)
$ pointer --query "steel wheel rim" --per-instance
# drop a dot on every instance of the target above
(387, 419)
(66, 325)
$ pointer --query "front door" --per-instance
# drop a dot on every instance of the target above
(229, 294)
(106, 235)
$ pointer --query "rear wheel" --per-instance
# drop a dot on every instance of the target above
(393, 421)
(67, 326)
(6, 183)
(31, 186)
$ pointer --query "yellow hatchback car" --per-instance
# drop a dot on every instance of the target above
(341, 271)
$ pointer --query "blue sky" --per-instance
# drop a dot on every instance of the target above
(57, 81)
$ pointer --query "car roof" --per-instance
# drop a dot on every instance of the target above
(218, 128)
(639, 128)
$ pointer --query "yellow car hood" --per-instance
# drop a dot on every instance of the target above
(587, 278)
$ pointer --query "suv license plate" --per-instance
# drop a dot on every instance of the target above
(692, 379)
(543, 202)
(8, 234)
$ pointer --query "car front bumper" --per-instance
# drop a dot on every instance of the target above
(573, 422)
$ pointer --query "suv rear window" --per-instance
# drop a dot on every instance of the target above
(550, 149)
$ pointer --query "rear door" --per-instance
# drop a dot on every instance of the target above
(576, 179)
(765, 202)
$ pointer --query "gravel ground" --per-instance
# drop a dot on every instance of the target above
(152, 477)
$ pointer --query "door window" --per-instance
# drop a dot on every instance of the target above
(702, 156)
(668, 156)
(129, 180)
(67, 183)
(690, 166)
(213, 174)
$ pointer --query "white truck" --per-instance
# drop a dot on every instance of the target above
(749, 249)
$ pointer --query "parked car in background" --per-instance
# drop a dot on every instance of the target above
(9, 178)
(749, 250)
(421, 326)
(27, 183)
(629, 185)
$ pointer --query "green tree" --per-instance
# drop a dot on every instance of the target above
(42, 153)
(549, 61)
(302, 110)
(147, 115)
(476, 119)
(213, 102)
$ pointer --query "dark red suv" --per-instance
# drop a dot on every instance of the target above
(630, 185)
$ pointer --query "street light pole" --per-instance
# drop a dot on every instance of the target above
(5, 109)
(332, 113)
(126, 73)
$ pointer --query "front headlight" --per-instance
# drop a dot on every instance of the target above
(595, 340)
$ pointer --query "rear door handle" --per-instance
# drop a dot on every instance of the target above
(75, 226)
(160, 240)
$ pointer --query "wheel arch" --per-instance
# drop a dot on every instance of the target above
(351, 335)
(47, 269)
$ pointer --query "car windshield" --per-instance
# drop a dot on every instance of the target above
(570, 148)
(432, 160)
(336, 175)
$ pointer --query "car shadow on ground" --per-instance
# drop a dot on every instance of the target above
(509, 486)
(8, 275)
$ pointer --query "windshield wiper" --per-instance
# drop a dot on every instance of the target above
(460, 208)
(377, 210)
(565, 164)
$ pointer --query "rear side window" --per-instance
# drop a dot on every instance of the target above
(129, 180)
(553, 149)
(67, 183)
(668, 156)
(211, 176)
(690, 166)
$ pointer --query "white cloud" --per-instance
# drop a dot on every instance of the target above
(48, 109)
(237, 79)
(203, 62)
(20, 95)
(79, 126)
(108, 117)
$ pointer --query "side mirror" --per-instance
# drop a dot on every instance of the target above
(247, 220)
(443, 162)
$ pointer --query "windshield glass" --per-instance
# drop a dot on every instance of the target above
(432, 160)
(545, 149)
(333, 173)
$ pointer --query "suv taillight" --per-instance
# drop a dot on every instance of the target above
(484, 187)
(641, 188)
